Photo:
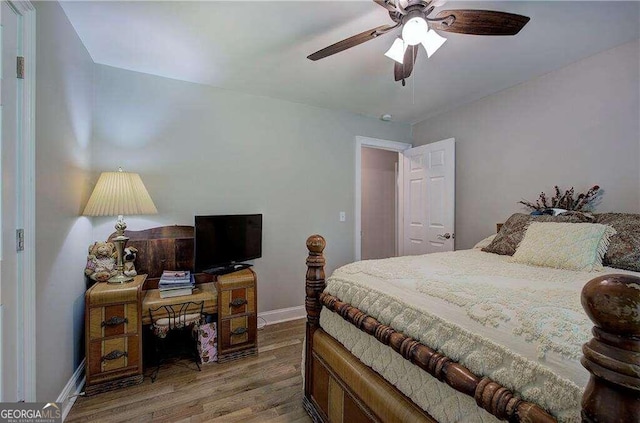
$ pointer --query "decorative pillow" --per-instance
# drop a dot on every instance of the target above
(485, 242)
(512, 232)
(571, 246)
(624, 250)
(585, 217)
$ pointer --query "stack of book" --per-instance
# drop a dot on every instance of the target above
(174, 283)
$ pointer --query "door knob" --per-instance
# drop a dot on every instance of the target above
(444, 236)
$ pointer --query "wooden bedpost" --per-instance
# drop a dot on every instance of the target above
(612, 356)
(314, 286)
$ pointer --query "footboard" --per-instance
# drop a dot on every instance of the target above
(612, 357)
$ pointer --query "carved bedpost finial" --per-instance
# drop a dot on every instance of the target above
(612, 302)
(316, 244)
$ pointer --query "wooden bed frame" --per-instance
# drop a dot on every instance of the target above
(339, 388)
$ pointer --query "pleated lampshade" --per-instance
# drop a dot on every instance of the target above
(119, 193)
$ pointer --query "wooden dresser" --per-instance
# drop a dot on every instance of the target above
(113, 335)
(237, 319)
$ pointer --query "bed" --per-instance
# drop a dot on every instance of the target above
(469, 349)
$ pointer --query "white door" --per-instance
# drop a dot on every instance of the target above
(429, 198)
(10, 259)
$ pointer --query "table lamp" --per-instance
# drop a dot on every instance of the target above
(116, 194)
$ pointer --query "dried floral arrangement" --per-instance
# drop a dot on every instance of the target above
(564, 200)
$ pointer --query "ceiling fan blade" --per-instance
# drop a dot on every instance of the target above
(478, 22)
(351, 42)
(390, 6)
(401, 71)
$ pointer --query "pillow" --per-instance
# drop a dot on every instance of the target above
(485, 242)
(624, 250)
(512, 232)
(585, 217)
(571, 246)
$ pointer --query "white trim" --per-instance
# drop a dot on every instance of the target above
(27, 289)
(283, 315)
(357, 215)
(71, 390)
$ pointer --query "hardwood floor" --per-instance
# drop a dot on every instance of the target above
(264, 388)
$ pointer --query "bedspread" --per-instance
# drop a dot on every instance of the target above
(520, 325)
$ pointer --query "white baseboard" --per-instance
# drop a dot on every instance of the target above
(283, 314)
(71, 390)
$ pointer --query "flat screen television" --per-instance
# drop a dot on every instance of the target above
(221, 241)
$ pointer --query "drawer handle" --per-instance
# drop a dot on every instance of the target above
(238, 302)
(114, 355)
(239, 331)
(115, 321)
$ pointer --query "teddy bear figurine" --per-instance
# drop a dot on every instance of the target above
(101, 261)
(130, 254)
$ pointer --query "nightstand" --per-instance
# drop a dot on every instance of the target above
(237, 318)
(113, 335)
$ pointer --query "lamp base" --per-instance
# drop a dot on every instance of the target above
(120, 240)
(121, 278)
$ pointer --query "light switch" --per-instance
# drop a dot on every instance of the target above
(343, 217)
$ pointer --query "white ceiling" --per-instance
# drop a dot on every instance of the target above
(261, 48)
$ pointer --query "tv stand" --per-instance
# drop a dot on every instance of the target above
(228, 268)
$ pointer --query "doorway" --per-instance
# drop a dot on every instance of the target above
(379, 215)
(378, 206)
(424, 199)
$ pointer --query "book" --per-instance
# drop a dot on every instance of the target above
(184, 284)
(170, 293)
(170, 275)
(176, 278)
(178, 283)
(172, 287)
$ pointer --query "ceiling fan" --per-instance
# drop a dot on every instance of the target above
(418, 28)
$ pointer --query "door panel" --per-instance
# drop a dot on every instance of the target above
(429, 198)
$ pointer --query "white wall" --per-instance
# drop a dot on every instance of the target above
(202, 150)
(63, 134)
(577, 126)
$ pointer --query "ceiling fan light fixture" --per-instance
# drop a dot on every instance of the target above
(396, 51)
(432, 41)
(414, 30)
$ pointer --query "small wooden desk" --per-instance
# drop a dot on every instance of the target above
(113, 335)
(203, 292)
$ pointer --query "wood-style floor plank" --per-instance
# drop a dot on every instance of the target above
(263, 388)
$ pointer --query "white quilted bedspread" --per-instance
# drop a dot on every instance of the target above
(522, 326)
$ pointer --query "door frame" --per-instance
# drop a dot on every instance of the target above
(26, 291)
(380, 144)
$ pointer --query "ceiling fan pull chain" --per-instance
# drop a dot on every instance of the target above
(413, 81)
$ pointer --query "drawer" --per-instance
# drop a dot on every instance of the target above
(237, 301)
(114, 354)
(106, 293)
(113, 320)
(237, 332)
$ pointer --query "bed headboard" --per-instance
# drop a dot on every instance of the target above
(163, 248)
